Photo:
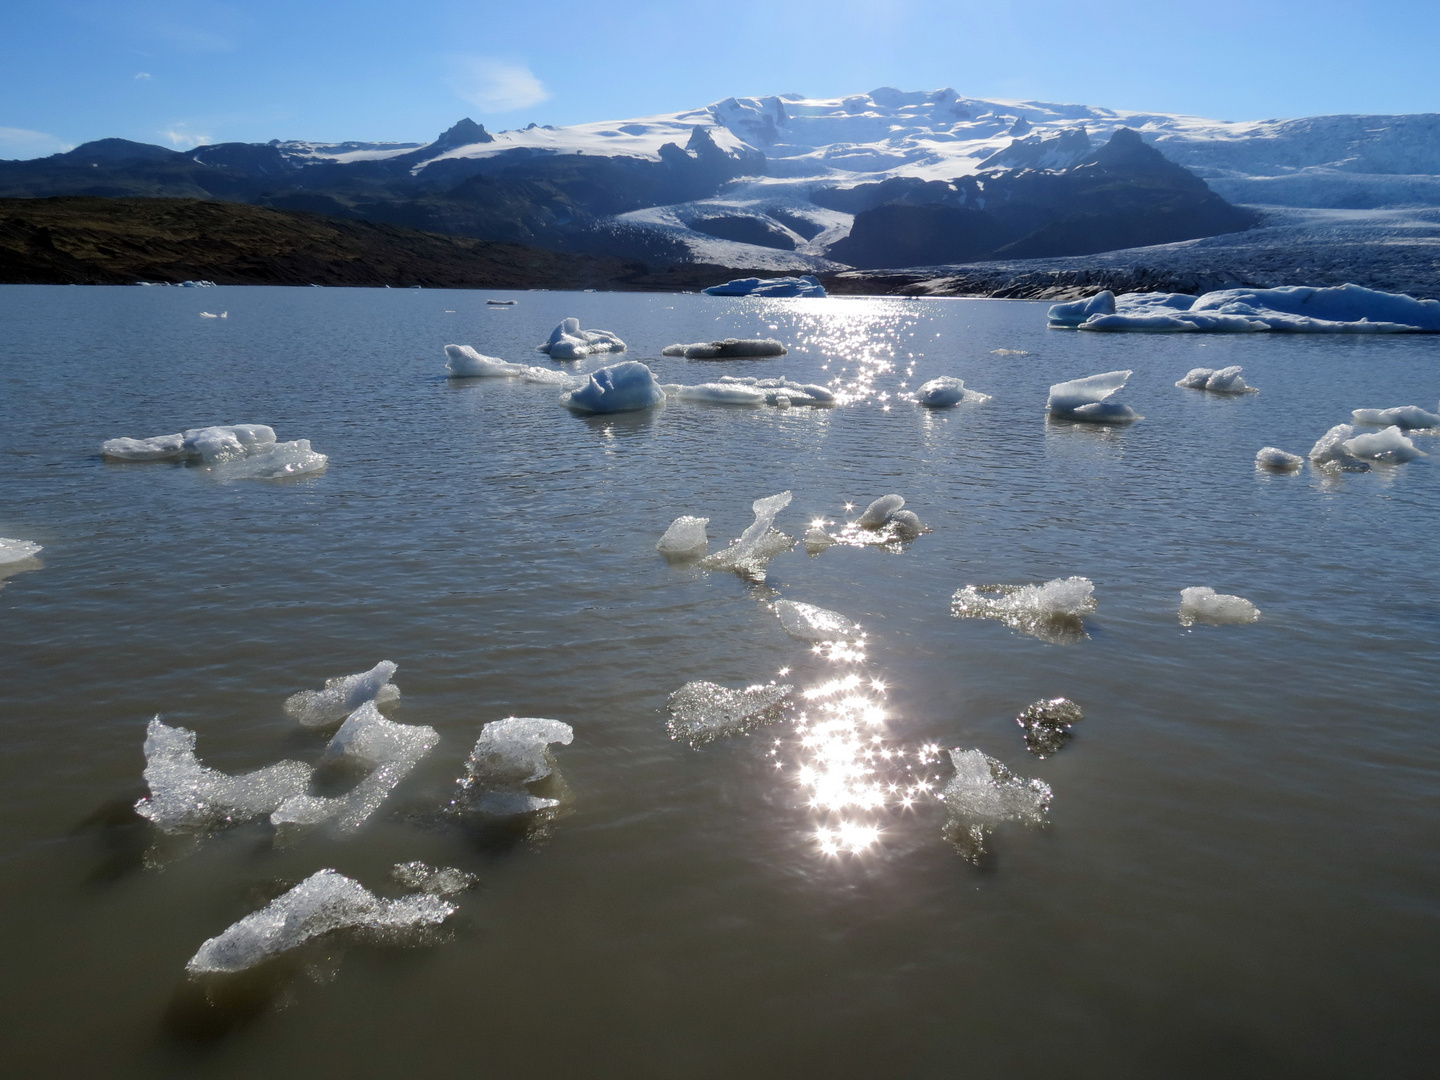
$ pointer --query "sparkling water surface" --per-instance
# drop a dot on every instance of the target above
(1242, 866)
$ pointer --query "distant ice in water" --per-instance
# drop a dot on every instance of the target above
(435, 880)
(946, 390)
(810, 623)
(1085, 399)
(510, 756)
(1203, 604)
(1405, 417)
(982, 794)
(185, 795)
(727, 349)
(685, 538)
(235, 451)
(343, 694)
(751, 554)
(804, 285)
(14, 551)
(704, 711)
(1053, 612)
(624, 387)
(569, 342)
(1222, 381)
(326, 902)
(1277, 460)
(1046, 725)
(463, 362)
(1294, 309)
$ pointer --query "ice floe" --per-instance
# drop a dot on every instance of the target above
(15, 551)
(1405, 417)
(509, 757)
(1053, 611)
(569, 342)
(343, 694)
(326, 902)
(781, 391)
(1203, 604)
(624, 387)
(685, 538)
(1085, 399)
(810, 623)
(714, 393)
(1389, 445)
(463, 362)
(704, 711)
(1276, 460)
(235, 451)
(1330, 451)
(1226, 380)
(982, 794)
(187, 796)
(1046, 725)
(758, 544)
(727, 349)
(804, 285)
(946, 390)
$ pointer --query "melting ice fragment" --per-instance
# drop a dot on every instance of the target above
(1218, 381)
(1052, 612)
(782, 391)
(435, 880)
(14, 551)
(982, 794)
(463, 362)
(727, 349)
(805, 285)
(1277, 460)
(946, 390)
(1389, 445)
(758, 544)
(1405, 417)
(714, 393)
(509, 756)
(624, 387)
(1046, 725)
(1084, 399)
(810, 623)
(569, 342)
(237, 451)
(1203, 604)
(342, 695)
(185, 795)
(1296, 309)
(326, 902)
(1330, 450)
(685, 538)
(1077, 311)
(704, 711)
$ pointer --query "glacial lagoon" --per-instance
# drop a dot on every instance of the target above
(1228, 867)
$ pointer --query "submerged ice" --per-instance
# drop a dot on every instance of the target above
(343, 694)
(1052, 612)
(1203, 604)
(569, 342)
(704, 711)
(624, 387)
(982, 794)
(510, 759)
(1085, 399)
(236, 451)
(14, 551)
(810, 623)
(1046, 725)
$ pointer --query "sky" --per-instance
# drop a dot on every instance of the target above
(180, 74)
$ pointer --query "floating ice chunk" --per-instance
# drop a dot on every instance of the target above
(185, 795)
(817, 539)
(14, 551)
(805, 285)
(982, 794)
(1330, 450)
(1203, 604)
(569, 342)
(324, 903)
(1223, 381)
(623, 387)
(727, 349)
(1077, 311)
(704, 711)
(500, 303)
(1046, 725)
(1084, 399)
(1277, 460)
(235, 451)
(1052, 612)
(810, 623)
(1009, 352)
(156, 448)
(1388, 445)
(228, 442)
(758, 544)
(946, 390)
(212, 315)
(509, 756)
(1344, 309)
(906, 524)
(685, 538)
(294, 458)
(1405, 417)
(879, 511)
(463, 362)
(1180, 322)
(435, 880)
(715, 393)
(781, 387)
(342, 695)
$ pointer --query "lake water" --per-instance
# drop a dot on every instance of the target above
(1241, 876)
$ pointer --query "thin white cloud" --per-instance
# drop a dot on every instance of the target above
(22, 143)
(182, 138)
(143, 76)
(495, 86)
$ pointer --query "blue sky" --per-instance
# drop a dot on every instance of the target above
(210, 71)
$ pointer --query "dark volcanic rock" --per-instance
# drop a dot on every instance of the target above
(744, 229)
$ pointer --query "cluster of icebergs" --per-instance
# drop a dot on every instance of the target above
(235, 451)
(1342, 449)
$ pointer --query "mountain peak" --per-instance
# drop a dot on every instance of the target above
(463, 133)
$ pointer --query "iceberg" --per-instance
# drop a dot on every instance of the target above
(715, 393)
(1053, 612)
(804, 285)
(569, 342)
(1046, 725)
(1293, 309)
(1204, 604)
(509, 757)
(685, 538)
(1077, 311)
(1388, 445)
(704, 711)
(1222, 381)
(810, 623)
(727, 349)
(1405, 417)
(236, 450)
(781, 391)
(14, 551)
(463, 362)
(1084, 399)
(1277, 460)
(946, 390)
(342, 695)
(187, 796)
(758, 544)
(982, 794)
(326, 902)
(624, 387)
